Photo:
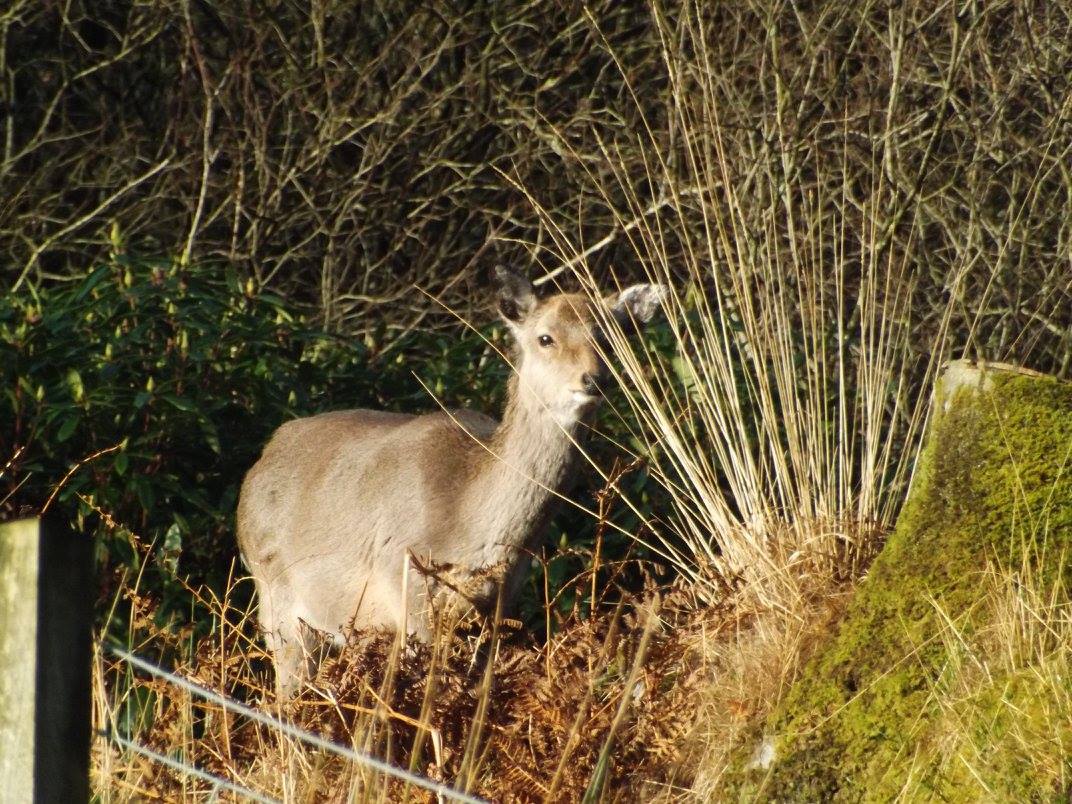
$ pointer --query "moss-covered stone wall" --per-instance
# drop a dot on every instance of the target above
(993, 485)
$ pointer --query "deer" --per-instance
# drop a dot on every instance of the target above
(339, 502)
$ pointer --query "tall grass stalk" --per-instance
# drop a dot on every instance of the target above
(785, 426)
(807, 331)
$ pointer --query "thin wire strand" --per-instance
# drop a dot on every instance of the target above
(292, 731)
(190, 770)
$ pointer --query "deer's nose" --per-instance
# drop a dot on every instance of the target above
(588, 382)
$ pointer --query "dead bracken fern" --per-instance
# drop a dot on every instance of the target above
(549, 709)
(622, 705)
(608, 703)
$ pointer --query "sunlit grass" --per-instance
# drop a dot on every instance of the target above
(1004, 700)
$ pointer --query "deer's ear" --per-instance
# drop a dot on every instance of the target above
(516, 295)
(636, 304)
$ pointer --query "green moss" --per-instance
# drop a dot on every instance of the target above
(993, 485)
(1009, 737)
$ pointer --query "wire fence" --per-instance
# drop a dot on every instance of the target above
(219, 783)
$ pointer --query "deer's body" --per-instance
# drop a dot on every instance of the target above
(339, 502)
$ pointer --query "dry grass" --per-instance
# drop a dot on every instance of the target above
(496, 715)
(1003, 697)
(642, 701)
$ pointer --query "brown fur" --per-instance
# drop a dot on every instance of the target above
(339, 502)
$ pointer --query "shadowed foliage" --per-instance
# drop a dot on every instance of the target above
(341, 152)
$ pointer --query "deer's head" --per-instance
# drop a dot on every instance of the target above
(557, 360)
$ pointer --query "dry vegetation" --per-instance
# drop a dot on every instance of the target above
(481, 708)
(840, 197)
(1004, 695)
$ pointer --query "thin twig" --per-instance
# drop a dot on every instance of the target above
(75, 468)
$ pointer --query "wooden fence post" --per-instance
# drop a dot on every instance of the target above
(46, 613)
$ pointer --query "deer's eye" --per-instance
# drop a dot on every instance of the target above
(546, 340)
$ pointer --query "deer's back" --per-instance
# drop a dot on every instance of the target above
(357, 488)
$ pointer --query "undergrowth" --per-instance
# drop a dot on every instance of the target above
(147, 390)
(482, 706)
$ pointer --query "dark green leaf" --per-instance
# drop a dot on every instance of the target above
(179, 402)
(70, 424)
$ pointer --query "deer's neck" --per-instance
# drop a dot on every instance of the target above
(532, 457)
